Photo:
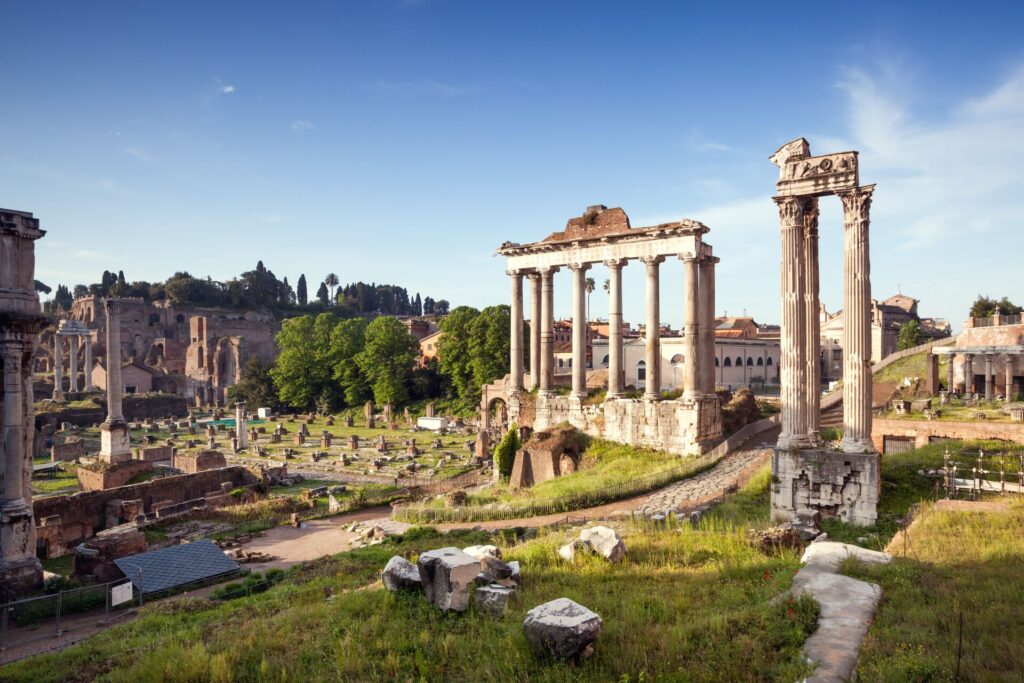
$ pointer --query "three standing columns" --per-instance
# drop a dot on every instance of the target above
(616, 375)
(652, 361)
(856, 322)
(579, 329)
(516, 332)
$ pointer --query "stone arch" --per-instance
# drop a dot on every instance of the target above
(604, 361)
(677, 359)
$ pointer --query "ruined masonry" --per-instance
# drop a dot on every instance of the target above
(840, 483)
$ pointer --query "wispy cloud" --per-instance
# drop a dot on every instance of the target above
(225, 88)
(301, 124)
(421, 87)
(139, 153)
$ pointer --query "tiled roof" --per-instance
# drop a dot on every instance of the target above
(175, 566)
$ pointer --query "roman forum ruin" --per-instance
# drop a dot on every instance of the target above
(20, 323)
(841, 482)
(689, 425)
(115, 446)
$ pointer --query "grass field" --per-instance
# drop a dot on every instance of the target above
(686, 604)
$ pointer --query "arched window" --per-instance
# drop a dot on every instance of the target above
(677, 359)
(605, 361)
(750, 362)
(641, 370)
(716, 361)
(769, 361)
(739, 362)
(728, 362)
(760, 362)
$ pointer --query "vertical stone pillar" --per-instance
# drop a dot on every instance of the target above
(652, 361)
(87, 369)
(615, 373)
(706, 342)
(58, 368)
(691, 321)
(535, 326)
(1008, 378)
(115, 387)
(579, 329)
(931, 372)
(989, 378)
(241, 428)
(516, 327)
(793, 368)
(547, 328)
(73, 363)
(968, 375)
(812, 323)
(13, 417)
(856, 322)
(950, 386)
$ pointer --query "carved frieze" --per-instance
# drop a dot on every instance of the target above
(816, 176)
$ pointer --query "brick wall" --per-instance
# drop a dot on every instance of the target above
(922, 430)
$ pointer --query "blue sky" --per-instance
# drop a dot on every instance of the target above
(402, 142)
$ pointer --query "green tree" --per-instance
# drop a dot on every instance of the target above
(255, 386)
(909, 336)
(984, 307)
(589, 286)
(489, 348)
(387, 359)
(304, 367)
(331, 281)
(348, 340)
(321, 294)
(505, 453)
(301, 293)
(453, 350)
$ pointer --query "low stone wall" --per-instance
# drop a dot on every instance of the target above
(80, 417)
(682, 426)
(154, 453)
(199, 461)
(923, 430)
(70, 449)
(64, 521)
(112, 477)
(141, 407)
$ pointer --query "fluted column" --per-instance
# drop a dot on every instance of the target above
(73, 363)
(58, 368)
(535, 326)
(812, 322)
(691, 322)
(516, 332)
(547, 328)
(241, 426)
(114, 385)
(652, 386)
(579, 329)
(968, 375)
(856, 322)
(88, 363)
(950, 387)
(706, 342)
(794, 427)
(989, 378)
(615, 374)
(13, 418)
(1008, 378)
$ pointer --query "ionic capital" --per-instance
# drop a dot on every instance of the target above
(514, 272)
(615, 263)
(548, 271)
(576, 267)
(652, 260)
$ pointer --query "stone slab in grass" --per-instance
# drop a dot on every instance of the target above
(447, 574)
(561, 629)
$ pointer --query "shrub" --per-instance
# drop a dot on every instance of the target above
(505, 453)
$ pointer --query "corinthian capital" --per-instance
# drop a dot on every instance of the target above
(857, 203)
(791, 211)
(811, 216)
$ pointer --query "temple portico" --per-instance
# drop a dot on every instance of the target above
(842, 483)
(75, 332)
(999, 365)
(603, 236)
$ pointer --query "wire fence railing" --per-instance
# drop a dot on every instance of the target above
(974, 473)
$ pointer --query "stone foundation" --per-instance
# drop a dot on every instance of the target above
(843, 485)
(112, 476)
(200, 461)
(684, 426)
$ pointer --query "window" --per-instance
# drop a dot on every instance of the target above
(716, 361)
(750, 362)
(769, 361)
(728, 362)
(605, 361)
(739, 362)
(641, 370)
(760, 362)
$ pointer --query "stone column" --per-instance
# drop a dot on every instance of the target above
(652, 383)
(241, 428)
(516, 341)
(857, 322)
(615, 374)
(579, 329)
(13, 436)
(547, 328)
(88, 363)
(968, 374)
(115, 388)
(950, 386)
(691, 321)
(706, 342)
(812, 323)
(989, 378)
(58, 368)
(73, 363)
(794, 427)
(535, 326)
(1008, 375)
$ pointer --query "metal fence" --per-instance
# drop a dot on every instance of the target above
(974, 473)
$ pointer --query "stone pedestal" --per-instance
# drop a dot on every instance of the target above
(837, 484)
(115, 444)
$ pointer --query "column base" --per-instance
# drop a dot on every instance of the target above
(793, 442)
(853, 446)
(837, 484)
(115, 443)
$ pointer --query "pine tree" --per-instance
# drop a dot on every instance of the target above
(322, 294)
(301, 293)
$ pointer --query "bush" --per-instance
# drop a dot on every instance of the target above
(505, 453)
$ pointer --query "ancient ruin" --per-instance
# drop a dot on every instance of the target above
(688, 425)
(115, 445)
(20, 322)
(844, 482)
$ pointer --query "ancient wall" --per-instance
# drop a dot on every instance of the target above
(69, 449)
(63, 521)
(923, 430)
(199, 461)
(112, 477)
(141, 407)
(842, 485)
(154, 453)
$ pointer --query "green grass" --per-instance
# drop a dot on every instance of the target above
(911, 366)
(59, 565)
(690, 604)
(952, 563)
(65, 481)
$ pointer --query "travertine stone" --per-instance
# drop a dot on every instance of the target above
(793, 367)
(535, 325)
(812, 336)
(843, 485)
(547, 327)
(691, 321)
(579, 329)
(516, 332)
(447, 575)
(561, 629)
(857, 322)
(652, 361)
(615, 369)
